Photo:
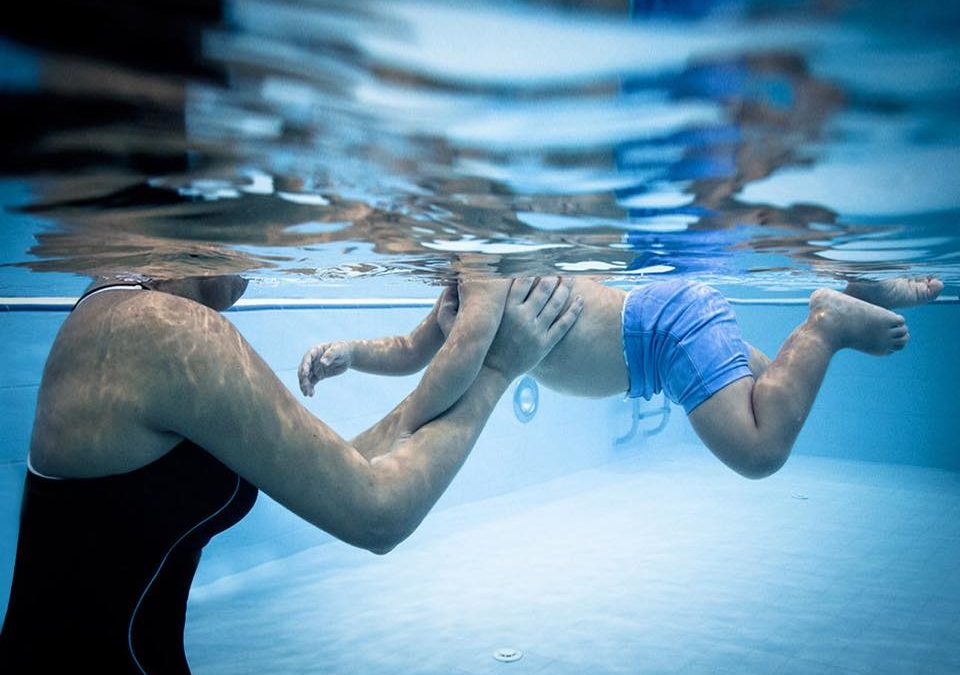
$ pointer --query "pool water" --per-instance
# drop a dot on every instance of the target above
(616, 569)
(354, 155)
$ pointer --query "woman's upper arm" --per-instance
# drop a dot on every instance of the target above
(204, 382)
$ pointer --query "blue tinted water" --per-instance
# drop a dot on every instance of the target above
(617, 570)
(365, 149)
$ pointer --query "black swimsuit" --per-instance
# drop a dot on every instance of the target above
(104, 565)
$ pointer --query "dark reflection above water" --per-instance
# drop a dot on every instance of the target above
(276, 137)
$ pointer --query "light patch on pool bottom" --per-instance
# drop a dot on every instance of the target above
(664, 562)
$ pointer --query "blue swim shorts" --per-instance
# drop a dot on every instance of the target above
(682, 338)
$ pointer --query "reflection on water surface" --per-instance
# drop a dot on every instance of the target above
(777, 144)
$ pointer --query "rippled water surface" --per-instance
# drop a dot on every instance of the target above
(779, 145)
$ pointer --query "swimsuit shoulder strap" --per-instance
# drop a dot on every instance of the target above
(132, 286)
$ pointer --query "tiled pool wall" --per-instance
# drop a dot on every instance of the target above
(900, 409)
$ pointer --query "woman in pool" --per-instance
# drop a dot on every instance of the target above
(157, 424)
(682, 338)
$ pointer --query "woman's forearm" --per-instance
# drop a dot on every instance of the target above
(457, 363)
(405, 473)
(445, 382)
(417, 468)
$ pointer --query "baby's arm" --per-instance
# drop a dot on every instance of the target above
(395, 355)
(468, 314)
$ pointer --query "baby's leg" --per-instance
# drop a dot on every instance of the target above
(888, 293)
(751, 424)
(898, 292)
(758, 361)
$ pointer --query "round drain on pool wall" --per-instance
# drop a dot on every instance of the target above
(507, 655)
(526, 399)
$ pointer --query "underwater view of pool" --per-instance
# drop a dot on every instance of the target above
(349, 158)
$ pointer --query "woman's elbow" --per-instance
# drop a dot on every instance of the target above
(382, 548)
(383, 532)
(374, 535)
(381, 538)
(383, 524)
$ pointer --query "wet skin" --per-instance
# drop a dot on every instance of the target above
(750, 424)
(131, 374)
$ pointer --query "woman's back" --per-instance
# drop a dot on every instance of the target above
(104, 565)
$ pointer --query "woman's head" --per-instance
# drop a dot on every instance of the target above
(217, 292)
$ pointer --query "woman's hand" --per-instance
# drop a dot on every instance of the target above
(322, 361)
(536, 316)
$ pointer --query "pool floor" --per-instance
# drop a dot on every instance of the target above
(663, 562)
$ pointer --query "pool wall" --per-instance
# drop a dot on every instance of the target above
(899, 409)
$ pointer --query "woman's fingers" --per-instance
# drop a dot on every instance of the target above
(564, 322)
(520, 289)
(557, 301)
(535, 318)
(541, 294)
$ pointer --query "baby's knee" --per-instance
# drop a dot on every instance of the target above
(751, 455)
(765, 460)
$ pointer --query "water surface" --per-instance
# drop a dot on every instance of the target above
(309, 145)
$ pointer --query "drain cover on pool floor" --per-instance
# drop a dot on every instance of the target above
(506, 654)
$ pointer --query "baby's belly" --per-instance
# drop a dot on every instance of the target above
(578, 379)
(589, 361)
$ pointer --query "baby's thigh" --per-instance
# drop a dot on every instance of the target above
(759, 362)
(726, 424)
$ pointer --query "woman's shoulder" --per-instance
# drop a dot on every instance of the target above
(136, 318)
(101, 380)
(126, 341)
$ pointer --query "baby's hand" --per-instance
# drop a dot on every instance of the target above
(322, 361)
(449, 306)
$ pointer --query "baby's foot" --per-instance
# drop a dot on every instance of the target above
(845, 321)
(899, 292)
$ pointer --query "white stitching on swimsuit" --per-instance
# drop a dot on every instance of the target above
(146, 590)
(37, 473)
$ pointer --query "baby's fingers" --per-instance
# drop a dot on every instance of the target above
(306, 371)
(303, 371)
